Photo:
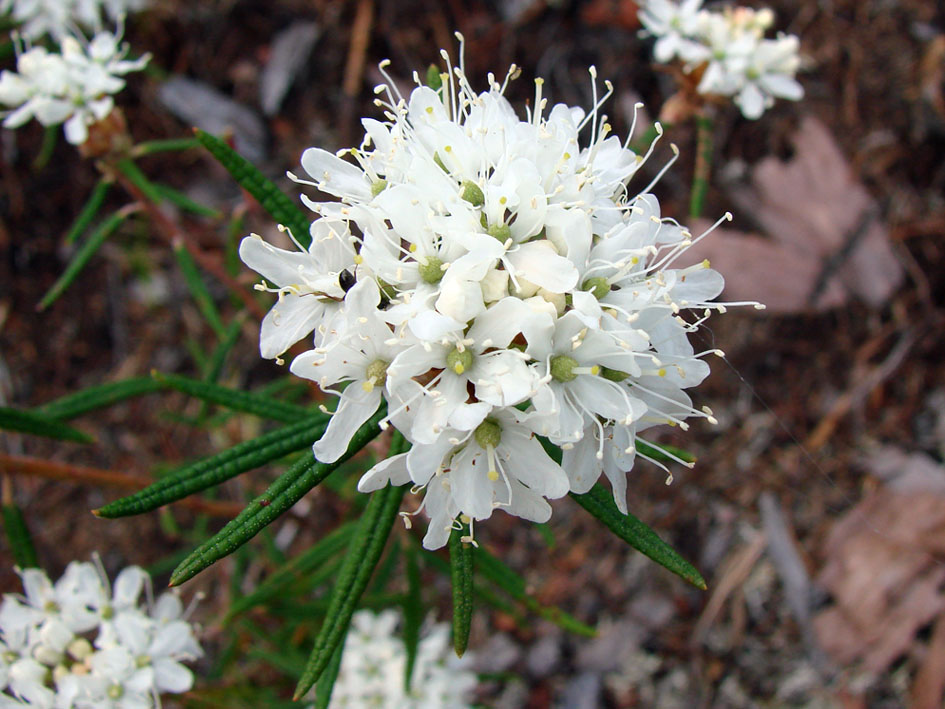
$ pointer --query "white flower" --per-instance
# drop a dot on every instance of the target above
(729, 48)
(310, 284)
(47, 655)
(58, 18)
(501, 284)
(374, 661)
(73, 87)
(675, 25)
(770, 75)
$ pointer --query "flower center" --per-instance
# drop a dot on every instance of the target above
(459, 360)
(431, 271)
(488, 434)
(472, 193)
(562, 368)
(566, 369)
(375, 375)
(377, 187)
(501, 232)
(597, 285)
(116, 691)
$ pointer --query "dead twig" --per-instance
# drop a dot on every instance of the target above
(854, 396)
(731, 577)
(81, 475)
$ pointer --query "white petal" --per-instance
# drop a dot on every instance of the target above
(289, 320)
(530, 465)
(354, 409)
(171, 676)
(335, 176)
(390, 470)
(538, 262)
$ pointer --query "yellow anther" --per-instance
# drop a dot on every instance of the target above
(358, 259)
(368, 385)
(706, 264)
(493, 475)
(595, 370)
(413, 248)
(661, 372)
(459, 368)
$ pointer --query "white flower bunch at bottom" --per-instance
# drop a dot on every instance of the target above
(500, 285)
(74, 86)
(59, 18)
(374, 661)
(79, 643)
(729, 48)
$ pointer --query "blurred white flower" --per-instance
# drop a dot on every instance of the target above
(374, 661)
(730, 50)
(73, 87)
(78, 643)
(60, 18)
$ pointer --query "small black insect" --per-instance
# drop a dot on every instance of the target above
(346, 279)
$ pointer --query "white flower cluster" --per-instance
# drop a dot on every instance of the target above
(49, 658)
(730, 50)
(493, 281)
(73, 86)
(374, 662)
(60, 18)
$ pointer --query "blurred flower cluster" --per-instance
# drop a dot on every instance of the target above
(78, 643)
(73, 86)
(374, 664)
(493, 281)
(61, 18)
(727, 51)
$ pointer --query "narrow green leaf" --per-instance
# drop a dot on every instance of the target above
(214, 365)
(82, 256)
(181, 200)
(163, 146)
(249, 402)
(461, 575)
(23, 421)
(94, 203)
(482, 592)
(216, 469)
(288, 489)
(326, 683)
(129, 169)
(363, 554)
(301, 566)
(272, 199)
(198, 290)
(599, 502)
(7, 49)
(413, 612)
(18, 536)
(98, 397)
(514, 585)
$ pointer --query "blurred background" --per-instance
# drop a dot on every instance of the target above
(816, 510)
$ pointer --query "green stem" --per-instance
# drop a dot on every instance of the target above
(50, 139)
(164, 146)
(703, 168)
